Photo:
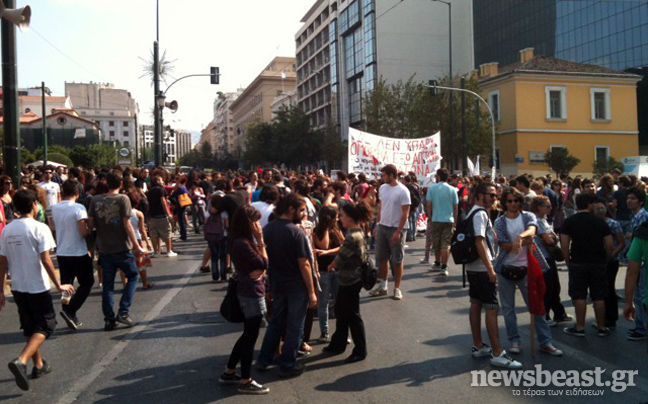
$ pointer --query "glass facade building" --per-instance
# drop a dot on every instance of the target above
(609, 33)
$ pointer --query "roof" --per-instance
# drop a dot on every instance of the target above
(30, 118)
(26, 118)
(555, 66)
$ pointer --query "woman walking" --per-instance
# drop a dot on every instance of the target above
(248, 252)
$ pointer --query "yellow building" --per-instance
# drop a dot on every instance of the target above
(543, 103)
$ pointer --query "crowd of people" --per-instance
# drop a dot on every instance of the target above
(296, 243)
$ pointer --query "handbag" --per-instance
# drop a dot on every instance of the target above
(555, 252)
(184, 200)
(230, 309)
(513, 273)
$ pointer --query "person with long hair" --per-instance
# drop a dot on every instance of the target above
(348, 263)
(6, 189)
(248, 253)
(515, 234)
(327, 238)
(179, 210)
(573, 190)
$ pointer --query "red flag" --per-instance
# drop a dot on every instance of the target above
(535, 284)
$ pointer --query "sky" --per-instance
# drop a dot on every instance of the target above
(110, 42)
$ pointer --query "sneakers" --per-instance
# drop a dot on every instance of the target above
(154, 255)
(252, 388)
(69, 320)
(564, 319)
(110, 325)
(36, 372)
(325, 338)
(398, 295)
(551, 350)
(436, 267)
(205, 269)
(552, 323)
(444, 271)
(604, 332)
(424, 261)
(19, 371)
(515, 348)
(573, 331)
(297, 370)
(636, 336)
(505, 361)
(125, 319)
(226, 378)
(485, 350)
(378, 291)
(172, 254)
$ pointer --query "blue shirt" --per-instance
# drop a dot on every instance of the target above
(444, 198)
(638, 218)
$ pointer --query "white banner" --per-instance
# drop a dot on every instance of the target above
(369, 153)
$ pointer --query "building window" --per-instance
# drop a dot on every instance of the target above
(600, 100)
(554, 147)
(125, 124)
(112, 133)
(111, 123)
(494, 104)
(355, 100)
(370, 77)
(369, 45)
(126, 143)
(126, 133)
(601, 153)
(556, 102)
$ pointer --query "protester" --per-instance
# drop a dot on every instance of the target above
(636, 199)
(443, 209)
(159, 222)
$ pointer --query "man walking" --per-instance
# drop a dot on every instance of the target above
(443, 208)
(635, 200)
(482, 282)
(70, 220)
(291, 283)
(393, 212)
(159, 223)
(24, 252)
(116, 241)
(53, 190)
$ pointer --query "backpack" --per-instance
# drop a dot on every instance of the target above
(214, 229)
(368, 273)
(415, 196)
(462, 246)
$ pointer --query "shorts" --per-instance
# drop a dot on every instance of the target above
(160, 227)
(385, 249)
(481, 290)
(252, 306)
(441, 235)
(587, 276)
(36, 313)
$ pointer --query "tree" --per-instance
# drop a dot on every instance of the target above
(560, 161)
(334, 150)
(83, 156)
(38, 153)
(26, 156)
(60, 158)
(603, 166)
(408, 110)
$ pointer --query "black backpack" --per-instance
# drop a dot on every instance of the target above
(369, 274)
(463, 247)
(415, 196)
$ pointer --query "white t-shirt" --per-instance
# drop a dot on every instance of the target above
(515, 227)
(483, 228)
(23, 240)
(66, 215)
(53, 189)
(265, 209)
(392, 199)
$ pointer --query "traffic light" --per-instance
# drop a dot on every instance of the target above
(433, 87)
(215, 75)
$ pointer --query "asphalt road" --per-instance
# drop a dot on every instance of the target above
(419, 349)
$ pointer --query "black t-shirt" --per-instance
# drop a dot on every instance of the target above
(233, 201)
(622, 211)
(587, 233)
(154, 195)
(286, 243)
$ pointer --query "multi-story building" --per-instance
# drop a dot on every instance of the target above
(541, 103)
(254, 104)
(372, 39)
(30, 101)
(224, 131)
(285, 100)
(208, 135)
(176, 143)
(114, 110)
(612, 34)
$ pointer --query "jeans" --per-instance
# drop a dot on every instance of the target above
(198, 216)
(81, 269)
(347, 308)
(639, 301)
(243, 350)
(552, 296)
(289, 306)
(182, 221)
(218, 250)
(411, 232)
(111, 263)
(329, 282)
(507, 302)
(627, 228)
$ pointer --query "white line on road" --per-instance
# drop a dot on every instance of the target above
(83, 382)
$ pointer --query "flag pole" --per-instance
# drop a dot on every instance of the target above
(532, 335)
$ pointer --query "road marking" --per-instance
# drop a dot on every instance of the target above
(83, 382)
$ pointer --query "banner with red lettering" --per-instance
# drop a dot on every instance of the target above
(369, 153)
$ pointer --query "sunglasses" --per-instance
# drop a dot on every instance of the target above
(513, 201)
(493, 195)
(547, 206)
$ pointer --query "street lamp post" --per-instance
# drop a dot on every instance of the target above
(450, 73)
(492, 117)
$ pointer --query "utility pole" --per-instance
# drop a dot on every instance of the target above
(44, 124)
(157, 134)
(11, 156)
(464, 137)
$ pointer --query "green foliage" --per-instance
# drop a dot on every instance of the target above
(560, 161)
(334, 150)
(602, 166)
(60, 158)
(408, 110)
(26, 156)
(288, 139)
(99, 155)
(38, 153)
